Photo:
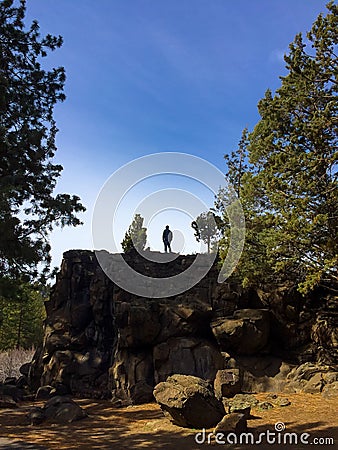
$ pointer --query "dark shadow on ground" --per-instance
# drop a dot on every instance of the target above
(141, 427)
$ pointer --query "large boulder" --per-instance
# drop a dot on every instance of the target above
(186, 316)
(61, 409)
(246, 332)
(189, 401)
(36, 415)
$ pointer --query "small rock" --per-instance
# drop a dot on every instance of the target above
(21, 382)
(232, 423)
(43, 393)
(245, 410)
(330, 377)
(271, 396)
(36, 416)
(12, 391)
(330, 390)
(244, 400)
(265, 405)
(7, 401)
(241, 403)
(277, 401)
(24, 369)
(282, 402)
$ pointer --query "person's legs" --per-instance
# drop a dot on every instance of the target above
(166, 244)
(169, 247)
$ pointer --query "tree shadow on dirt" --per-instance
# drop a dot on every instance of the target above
(144, 426)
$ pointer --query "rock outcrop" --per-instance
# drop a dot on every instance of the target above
(101, 341)
(80, 333)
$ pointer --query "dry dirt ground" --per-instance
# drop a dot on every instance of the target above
(144, 426)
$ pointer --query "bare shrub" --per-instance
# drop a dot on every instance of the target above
(12, 360)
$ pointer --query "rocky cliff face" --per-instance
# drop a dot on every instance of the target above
(101, 341)
(80, 335)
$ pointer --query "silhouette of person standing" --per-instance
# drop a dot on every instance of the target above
(167, 238)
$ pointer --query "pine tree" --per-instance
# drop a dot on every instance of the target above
(28, 94)
(136, 236)
(237, 163)
(205, 228)
(290, 191)
(21, 317)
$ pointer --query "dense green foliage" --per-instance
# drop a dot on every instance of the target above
(21, 318)
(28, 94)
(285, 170)
(136, 235)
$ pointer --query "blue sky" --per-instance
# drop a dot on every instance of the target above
(148, 76)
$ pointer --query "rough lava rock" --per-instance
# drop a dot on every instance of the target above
(227, 383)
(263, 373)
(61, 409)
(330, 390)
(101, 341)
(43, 393)
(189, 401)
(186, 356)
(6, 401)
(245, 333)
(311, 378)
(232, 423)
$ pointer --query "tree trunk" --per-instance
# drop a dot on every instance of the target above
(18, 340)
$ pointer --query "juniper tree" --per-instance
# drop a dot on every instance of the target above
(28, 93)
(290, 190)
